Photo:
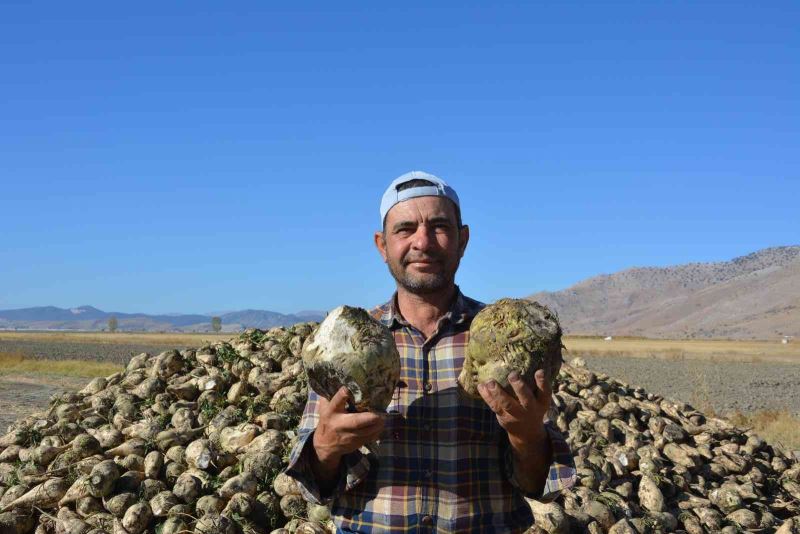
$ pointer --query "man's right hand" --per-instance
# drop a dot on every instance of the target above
(339, 432)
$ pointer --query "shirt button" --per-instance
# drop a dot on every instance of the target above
(426, 427)
(426, 521)
(427, 474)
(428, 387)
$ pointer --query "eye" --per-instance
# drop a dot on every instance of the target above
(442, 227)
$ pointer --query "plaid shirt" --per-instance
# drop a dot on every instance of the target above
(443, 462)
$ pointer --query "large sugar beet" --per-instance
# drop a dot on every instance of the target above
(511, 335)
(350, 348)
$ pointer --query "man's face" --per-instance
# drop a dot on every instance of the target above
(422, 244)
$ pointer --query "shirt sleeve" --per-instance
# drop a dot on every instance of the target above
(562, 473)
(353, 470)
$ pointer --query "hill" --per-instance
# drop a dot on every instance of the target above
(91, 319)
(756, 296)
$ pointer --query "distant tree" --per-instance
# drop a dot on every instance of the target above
(216, 324)
(112, 323)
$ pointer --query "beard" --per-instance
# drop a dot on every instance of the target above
(422, 283)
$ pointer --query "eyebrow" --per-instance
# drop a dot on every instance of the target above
(403, 224)
(433, 220)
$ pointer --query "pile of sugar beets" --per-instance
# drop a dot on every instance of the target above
(195, 441)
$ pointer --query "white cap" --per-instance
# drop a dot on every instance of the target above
(392, 196)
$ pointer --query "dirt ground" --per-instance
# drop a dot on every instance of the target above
(726, 387)
(21, 395)
(81, 350)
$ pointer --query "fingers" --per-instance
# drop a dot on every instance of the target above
(528, 397)
(338, 435)
(339, 431)
(359, 422)
(363, 434)
(525, 394)
(522, 416)
(544, 387)
(338, 402)
(488, 397)
(498, 400)
(345, 421)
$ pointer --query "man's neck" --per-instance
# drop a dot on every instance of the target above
(424, 311)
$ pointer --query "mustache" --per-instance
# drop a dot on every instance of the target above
(430, 259)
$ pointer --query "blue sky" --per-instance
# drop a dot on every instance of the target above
(193, 157)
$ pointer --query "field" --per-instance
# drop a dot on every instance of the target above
(113, 347)
(97, 346)
(715, 350)
(756, 383)
(107, 339)
(36, 365)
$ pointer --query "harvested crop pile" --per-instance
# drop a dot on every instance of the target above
(195, 441)
(647, 464)
(190, 440)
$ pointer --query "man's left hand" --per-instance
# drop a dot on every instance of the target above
(523, 420)
(523, 417)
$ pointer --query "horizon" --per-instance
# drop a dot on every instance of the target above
(164, 158)
(314, 311)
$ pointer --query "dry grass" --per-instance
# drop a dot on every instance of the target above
(775, 426)
(107, 338)
(15, 363)
(684, 349)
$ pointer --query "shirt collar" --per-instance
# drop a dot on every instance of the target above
(461, 309)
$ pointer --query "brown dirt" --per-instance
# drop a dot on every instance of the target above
(724, 387)
(47, 349)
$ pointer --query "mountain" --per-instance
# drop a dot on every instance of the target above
(51, 313)
(90, 318)
(267, 319)
(751, 297)
(754, 296)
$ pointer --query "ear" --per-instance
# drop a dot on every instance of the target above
(463, 237)
(380, 244)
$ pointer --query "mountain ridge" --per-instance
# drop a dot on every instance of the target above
(86, 317)
(755, 296)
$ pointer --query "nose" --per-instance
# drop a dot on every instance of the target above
(423, 238)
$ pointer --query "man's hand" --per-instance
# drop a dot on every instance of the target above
(339, 432)
(523, 417)
(523, 420)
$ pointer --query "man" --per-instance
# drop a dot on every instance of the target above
(443, 462)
